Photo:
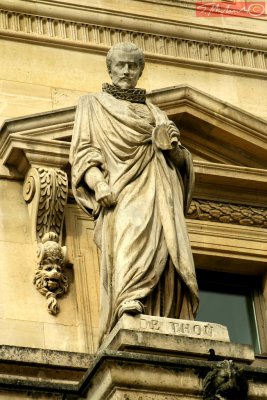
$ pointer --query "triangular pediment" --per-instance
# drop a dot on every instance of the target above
(214, 130)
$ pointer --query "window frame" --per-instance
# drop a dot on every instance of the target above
(239, 283)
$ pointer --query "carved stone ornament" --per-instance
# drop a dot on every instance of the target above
(180, 42)
(49, 278)
(225, 382)
(46, 190)
(228, 213)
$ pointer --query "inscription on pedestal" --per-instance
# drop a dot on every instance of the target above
(192, 329)
(177, 327)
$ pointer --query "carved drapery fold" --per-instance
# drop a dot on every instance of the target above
(46, 190)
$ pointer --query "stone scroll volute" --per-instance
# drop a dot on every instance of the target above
(45, 190)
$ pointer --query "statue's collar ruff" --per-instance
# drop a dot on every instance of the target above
(135, 95)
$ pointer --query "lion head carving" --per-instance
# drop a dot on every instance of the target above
(50, 278)
(225, 382)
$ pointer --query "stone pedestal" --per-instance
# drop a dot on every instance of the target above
(152, 358)
(166, 336)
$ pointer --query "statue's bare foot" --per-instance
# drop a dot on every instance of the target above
(131, 307)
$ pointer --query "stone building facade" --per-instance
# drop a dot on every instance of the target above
(209, 75)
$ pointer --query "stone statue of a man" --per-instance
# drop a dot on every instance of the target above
(130, 171)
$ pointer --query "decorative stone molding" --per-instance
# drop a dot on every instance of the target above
(225, 382)
(178, 49)
(46, 192)
(228, 248)
(206, 210)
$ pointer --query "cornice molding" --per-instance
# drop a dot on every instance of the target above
(28, 142)
(141, 19)
(230, 183)
(228, 247)
(162, 40)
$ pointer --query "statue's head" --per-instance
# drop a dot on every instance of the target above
(125, 63)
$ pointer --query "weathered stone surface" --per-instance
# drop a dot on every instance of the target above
(175, 327)
(111, 375)
(41, 370)
(146, 335)
(127, 376)
(28, 355)
(137, 376)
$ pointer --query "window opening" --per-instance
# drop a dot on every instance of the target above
(228, 299)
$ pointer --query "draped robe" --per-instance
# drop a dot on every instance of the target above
(145, 250)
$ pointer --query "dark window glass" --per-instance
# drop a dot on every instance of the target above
(227, 299)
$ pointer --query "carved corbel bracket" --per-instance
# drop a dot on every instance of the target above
(45, 190)
(226, 381)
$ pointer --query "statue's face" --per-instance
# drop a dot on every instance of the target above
(125, 69)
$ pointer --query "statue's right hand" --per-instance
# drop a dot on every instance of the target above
(104, 195)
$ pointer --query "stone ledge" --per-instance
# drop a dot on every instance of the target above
(163, 40)
(82, 11)
(29, 355)
(116, 375)
(25, 367)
